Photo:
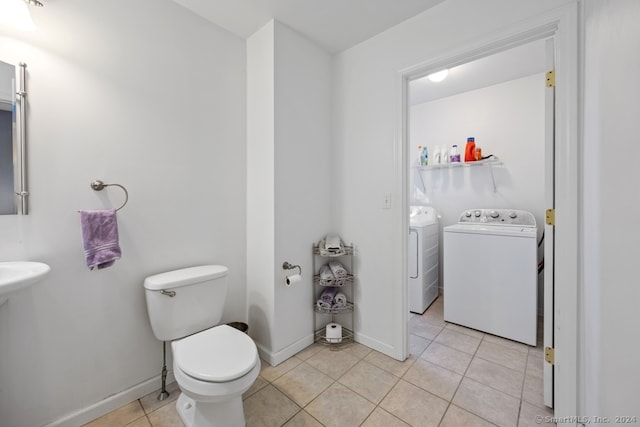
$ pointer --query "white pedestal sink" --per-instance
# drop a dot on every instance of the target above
(17, 275)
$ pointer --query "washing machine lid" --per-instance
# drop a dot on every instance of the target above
(495, 230)
(422, 216)
(219, 354)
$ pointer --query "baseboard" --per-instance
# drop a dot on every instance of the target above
(275, 358)
(374, 344)
(111, 403)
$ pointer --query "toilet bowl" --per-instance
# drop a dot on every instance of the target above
(213, 369)
(213, 365)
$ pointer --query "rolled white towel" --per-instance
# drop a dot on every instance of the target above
(326, 275)
(337, 269)
(340, 299)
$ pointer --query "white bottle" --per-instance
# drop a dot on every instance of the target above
(436, 155)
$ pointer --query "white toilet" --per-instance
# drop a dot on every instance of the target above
(213, 365)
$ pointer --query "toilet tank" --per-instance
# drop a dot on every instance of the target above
(183, 302)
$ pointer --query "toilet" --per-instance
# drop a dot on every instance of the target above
(213, 364)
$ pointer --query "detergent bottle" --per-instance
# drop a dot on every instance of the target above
(469, 150)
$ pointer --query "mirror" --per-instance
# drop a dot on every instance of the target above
(13, 185)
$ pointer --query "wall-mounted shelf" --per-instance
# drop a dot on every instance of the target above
(493, 161)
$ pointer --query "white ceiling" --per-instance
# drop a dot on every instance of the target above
(335, 25)
(511, 64)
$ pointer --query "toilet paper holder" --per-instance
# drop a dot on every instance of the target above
(288, 266)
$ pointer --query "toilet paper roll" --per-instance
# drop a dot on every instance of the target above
(291, 280)
(334, 333)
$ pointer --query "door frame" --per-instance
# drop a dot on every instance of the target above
(563, 25)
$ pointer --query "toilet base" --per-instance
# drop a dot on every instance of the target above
(229, 413)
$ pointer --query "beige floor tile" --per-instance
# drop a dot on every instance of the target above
(433, 378)
(120, 417)
(166, 416)
(150, 402)
(523, 348)
(369, 381)
(496, 376)
(356, 349)
(434, 318)
(257, 385)
(533, 391)
(535, 364)
(465, 330)
(340, 407)
(503, 356)
(271, 373)
(309, 351)
(447, 357)
(140, 422)
(381, 418)
(269, 407)
(533, 416)
(458, 341)
(421, 327)
(458, 417)
(417, 344)
(303, 383)
(390, 364)
(488, 403)
(413, 405)
(333, 363)
(303, 419)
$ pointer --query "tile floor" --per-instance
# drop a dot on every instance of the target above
(455, 377)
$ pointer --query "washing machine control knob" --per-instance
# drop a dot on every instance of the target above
(494, 214)
(478, 213)
(512, 215)
(467, 214)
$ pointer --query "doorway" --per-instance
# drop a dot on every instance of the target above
(499, 100)
(563, 27)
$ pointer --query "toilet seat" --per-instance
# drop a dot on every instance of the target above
(218, 354)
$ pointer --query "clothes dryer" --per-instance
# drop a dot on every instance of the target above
(424, 237)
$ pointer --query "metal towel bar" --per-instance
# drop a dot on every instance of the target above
(98, 185)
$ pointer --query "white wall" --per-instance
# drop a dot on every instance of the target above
(289, 200)
(610, 175)
(507, 120)
(366, 144)
(149, 96)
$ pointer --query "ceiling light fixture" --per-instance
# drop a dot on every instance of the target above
(15, 14)
(439, 76)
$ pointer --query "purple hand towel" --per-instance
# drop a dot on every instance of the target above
(328, 294)
(100, 238)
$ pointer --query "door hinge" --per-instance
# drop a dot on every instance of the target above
(551, 217)
(550, 355)
(551, 78)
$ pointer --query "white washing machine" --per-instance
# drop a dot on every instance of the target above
(424, 237)
(490, 273)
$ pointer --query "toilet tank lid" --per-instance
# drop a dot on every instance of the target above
(184, 277)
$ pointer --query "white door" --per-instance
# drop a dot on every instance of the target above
(548, 230)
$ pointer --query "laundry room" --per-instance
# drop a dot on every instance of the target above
(500, 102)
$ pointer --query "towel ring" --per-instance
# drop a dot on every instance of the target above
(98, 185)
